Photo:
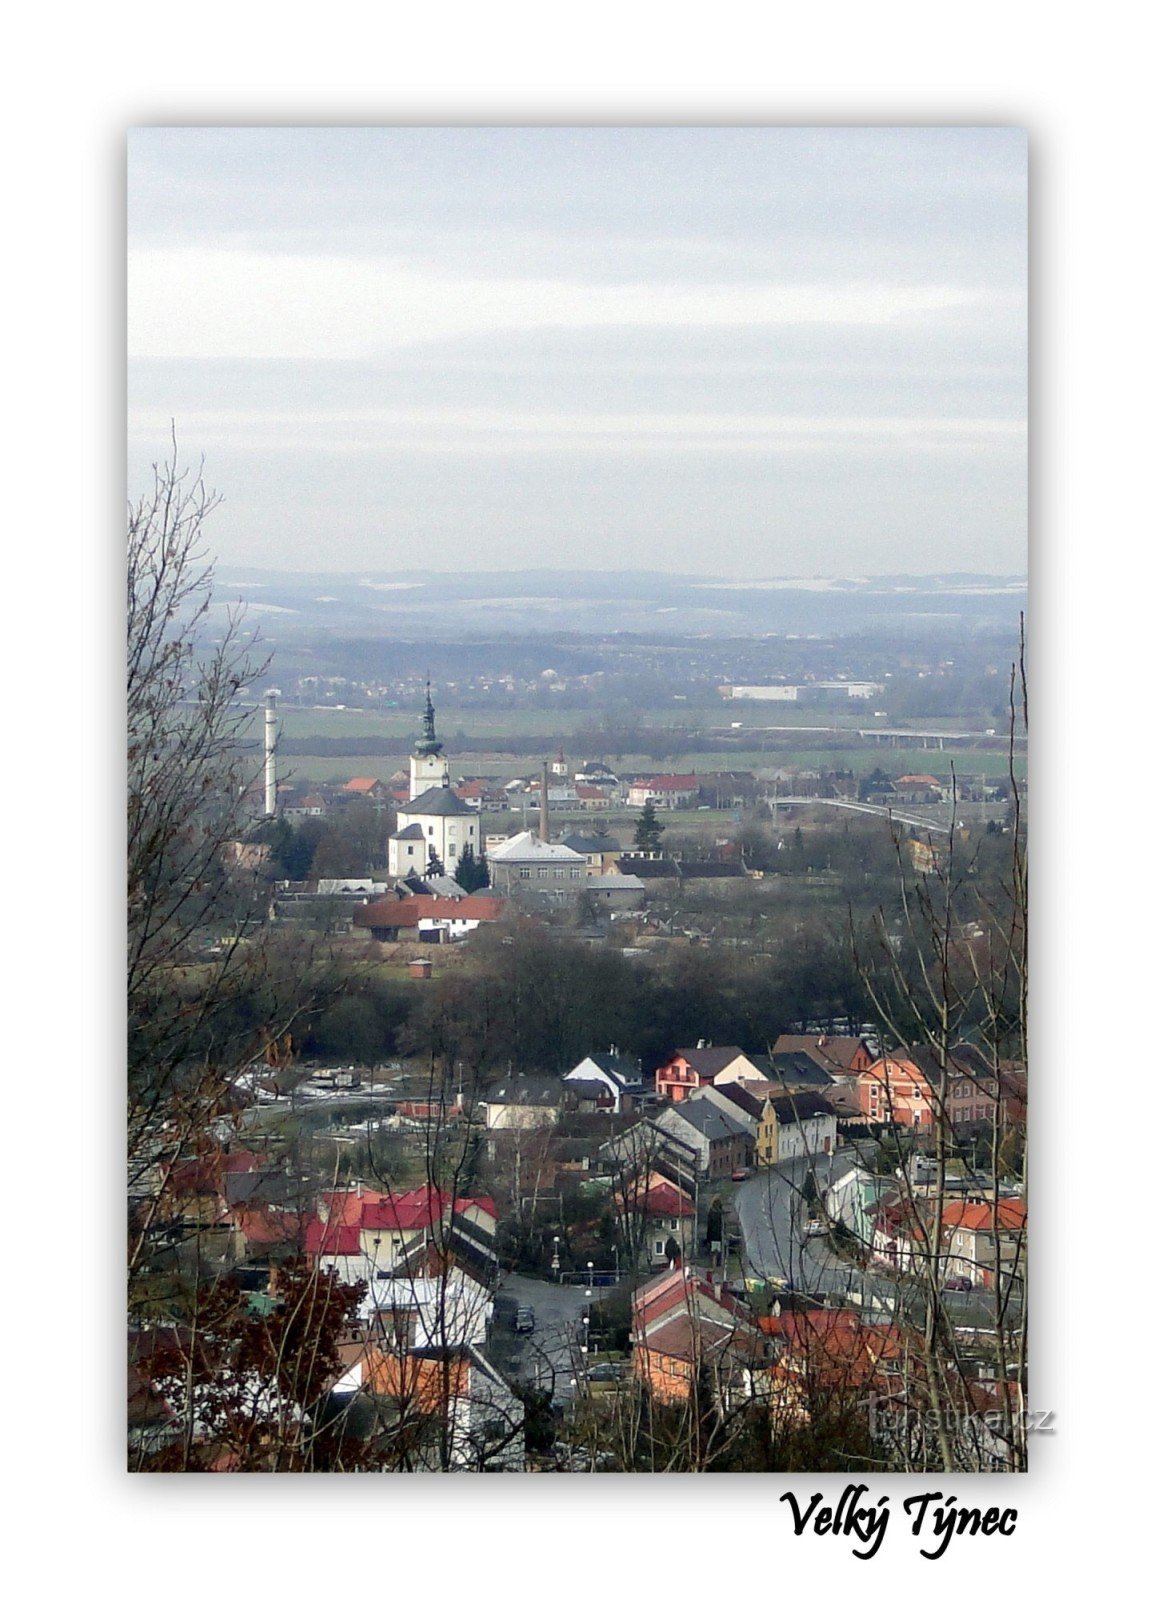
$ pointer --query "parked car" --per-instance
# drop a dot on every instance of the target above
(959, 1283)
(524, 1321)
(739, 1174)
(816, 1227)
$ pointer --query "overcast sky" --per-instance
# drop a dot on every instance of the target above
(746, 352)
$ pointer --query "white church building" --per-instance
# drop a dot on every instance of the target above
(433, 821)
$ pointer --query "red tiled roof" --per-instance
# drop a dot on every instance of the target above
(419, 1208)
(268, 1227)
(980, 1215)
(361, 785)
(329, 1239)
(419, 907)
(667, 782)
(346, 1205)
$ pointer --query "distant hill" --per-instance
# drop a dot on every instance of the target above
(446, 605)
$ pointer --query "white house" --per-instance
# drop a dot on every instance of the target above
(615, 1073)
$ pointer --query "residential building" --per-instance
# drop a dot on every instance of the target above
(894, 1089)
(720, 1138)
(688, 1069)
(795, 1123)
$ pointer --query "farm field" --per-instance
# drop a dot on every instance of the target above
(858, 757)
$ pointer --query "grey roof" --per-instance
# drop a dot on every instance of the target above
(589, 844)
(713, 869)
(440, 802)
(795, 1067)
(413, 831)
(710, 1059)
(801, 1106)
(965, 1062)
(532, 1091)
(710, 1120)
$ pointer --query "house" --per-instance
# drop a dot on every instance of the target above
(648, 1148)
(618, 1078)
(427, 919)
(617, 891)
(686, 1330)
(396, 1225)
(601, 850)
(796, 1069)
(688, 1069)
(919, 788)
(971, 1091)
(746, 1110)
(848, 1199)
(667, 790)
(515, 1104)
(894, 1089)
(795, 1123)
(721, 1140)
(452, 1407)
(986, 1241)
(300, 810)
(840, 1057)
(657, 1219)
(364, 789)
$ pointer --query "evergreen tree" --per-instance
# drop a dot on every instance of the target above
(649, 831)
(472, 872)
(434, 869)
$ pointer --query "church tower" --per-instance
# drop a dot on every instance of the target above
(428, 768)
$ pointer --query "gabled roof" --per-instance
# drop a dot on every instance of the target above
(667, 782)
(413, 831)
(418, 1208)
(421, 908)
(526, 1091)
(708, 1060)
(362, 785)
(710, 1120)
(979, 1215)
(796, 1067)
(800, 1105)
(829, 1050)
(332, 1239)
(526, 846)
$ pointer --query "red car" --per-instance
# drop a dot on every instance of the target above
(959, 1284)
(739, 1174)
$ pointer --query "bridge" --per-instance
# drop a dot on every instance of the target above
(904, 819)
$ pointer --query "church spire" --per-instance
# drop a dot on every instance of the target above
(428, 744)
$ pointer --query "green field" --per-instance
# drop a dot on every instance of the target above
(857, 756)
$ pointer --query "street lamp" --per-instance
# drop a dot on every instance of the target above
(555, 1264)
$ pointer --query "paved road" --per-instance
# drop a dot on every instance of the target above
(547, 1356)
(771, 1215)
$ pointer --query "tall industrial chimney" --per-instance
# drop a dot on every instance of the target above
(271, 753)
(543, 815)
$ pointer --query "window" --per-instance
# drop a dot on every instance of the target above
(523, 872)
(408, 849)
(452, 849)
(543, 872)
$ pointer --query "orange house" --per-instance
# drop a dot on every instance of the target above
(894, 1089)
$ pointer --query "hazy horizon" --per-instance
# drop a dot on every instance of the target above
(755, 352)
